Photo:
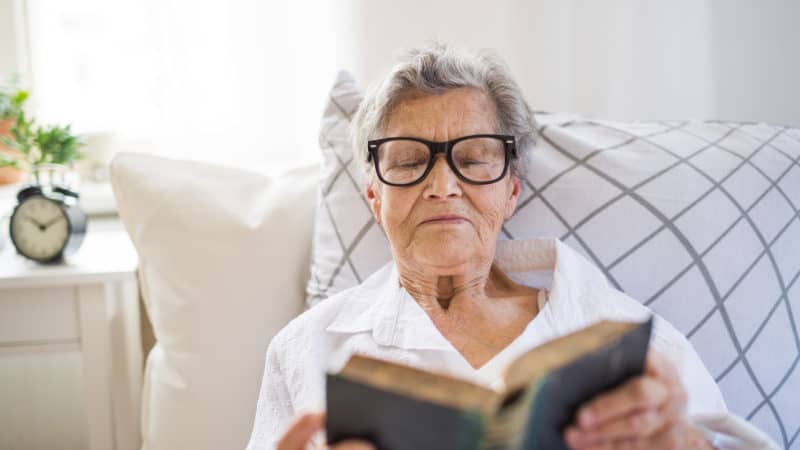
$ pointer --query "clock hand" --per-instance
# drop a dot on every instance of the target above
(35, 222)
(47, 224)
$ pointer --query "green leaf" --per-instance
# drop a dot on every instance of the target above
(57, 145)
(12, 99)
(19, 98)
(7, 161)
(22, 134)
(37, 144)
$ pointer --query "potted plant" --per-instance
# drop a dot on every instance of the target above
(41, 150)
(12, 101)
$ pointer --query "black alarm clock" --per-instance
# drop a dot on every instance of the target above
(47, 224)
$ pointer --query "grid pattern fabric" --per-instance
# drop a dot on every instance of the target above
(698, 220)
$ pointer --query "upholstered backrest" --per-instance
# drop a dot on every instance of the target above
(698, 220)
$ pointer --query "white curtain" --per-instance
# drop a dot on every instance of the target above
(242, 82)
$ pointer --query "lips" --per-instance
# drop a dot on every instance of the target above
(445, 218)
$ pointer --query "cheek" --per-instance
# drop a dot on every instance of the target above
(490, 210)
(396, 209)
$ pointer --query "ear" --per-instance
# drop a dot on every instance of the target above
(511, 202)
(374, 199)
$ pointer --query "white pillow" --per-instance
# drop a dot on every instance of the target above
(223, 260)
(698, 220)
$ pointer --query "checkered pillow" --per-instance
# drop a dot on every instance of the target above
(698, 220)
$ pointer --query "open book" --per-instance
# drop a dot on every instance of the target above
(397, 407)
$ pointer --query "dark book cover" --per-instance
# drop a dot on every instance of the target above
(529, 418)
(396, 422)
(563, 390)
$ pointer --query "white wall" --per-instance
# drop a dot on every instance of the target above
(8, 52)
(615, 59)
(756, 60)
(618, 59)
(12, 58)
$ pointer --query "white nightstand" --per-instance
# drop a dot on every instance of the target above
(70, 346)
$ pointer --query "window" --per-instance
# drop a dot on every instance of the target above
(235, 82)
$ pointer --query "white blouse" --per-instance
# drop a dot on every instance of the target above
(379, 318)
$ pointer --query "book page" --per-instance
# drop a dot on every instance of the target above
(422, 385)
(553, 354)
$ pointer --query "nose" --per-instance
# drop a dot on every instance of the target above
(442, 182)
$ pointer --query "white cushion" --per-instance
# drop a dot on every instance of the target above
(223, 261)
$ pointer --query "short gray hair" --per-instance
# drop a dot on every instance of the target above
(434, 70)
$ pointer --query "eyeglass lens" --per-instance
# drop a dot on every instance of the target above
(478, 159)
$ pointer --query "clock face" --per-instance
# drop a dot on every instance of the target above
(39, 228)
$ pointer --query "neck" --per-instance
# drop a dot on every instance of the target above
(433, 288)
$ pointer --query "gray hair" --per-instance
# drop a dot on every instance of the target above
(434, 70)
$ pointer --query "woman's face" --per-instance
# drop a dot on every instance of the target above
(442, 224)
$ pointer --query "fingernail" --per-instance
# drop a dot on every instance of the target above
(354, 444)
(586, 418)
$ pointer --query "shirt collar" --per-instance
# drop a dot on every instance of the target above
(381, 305)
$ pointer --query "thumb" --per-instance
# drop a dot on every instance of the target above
(301, 431)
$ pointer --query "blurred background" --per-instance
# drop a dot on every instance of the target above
(242, 82)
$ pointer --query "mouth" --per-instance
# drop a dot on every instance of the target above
(445, 219)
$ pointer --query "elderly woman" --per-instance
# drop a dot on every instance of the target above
(444, 139)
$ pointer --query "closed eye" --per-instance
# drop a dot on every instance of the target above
(407, 164)
(471, 162)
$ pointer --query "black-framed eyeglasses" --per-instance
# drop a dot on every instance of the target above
(475, 159)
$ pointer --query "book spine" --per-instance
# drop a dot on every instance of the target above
(506, 430)
(472, 431)
(537, 425)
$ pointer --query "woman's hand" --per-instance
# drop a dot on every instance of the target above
(647, 412)
(300, 432)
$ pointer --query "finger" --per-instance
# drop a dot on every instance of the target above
(636, 425)
(678, 397)
(660, 366)
(627, 444)
(678, 401)
(672, 437)
(353, 444)
(300, 431)
(639, 393)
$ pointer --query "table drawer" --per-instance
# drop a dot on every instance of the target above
(38, 315)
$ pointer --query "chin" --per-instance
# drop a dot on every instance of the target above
(445, 253)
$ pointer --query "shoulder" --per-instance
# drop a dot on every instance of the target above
(704, 394)
(665, 337)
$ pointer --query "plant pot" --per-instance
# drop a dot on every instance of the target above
(54, 175)
(8, 175)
